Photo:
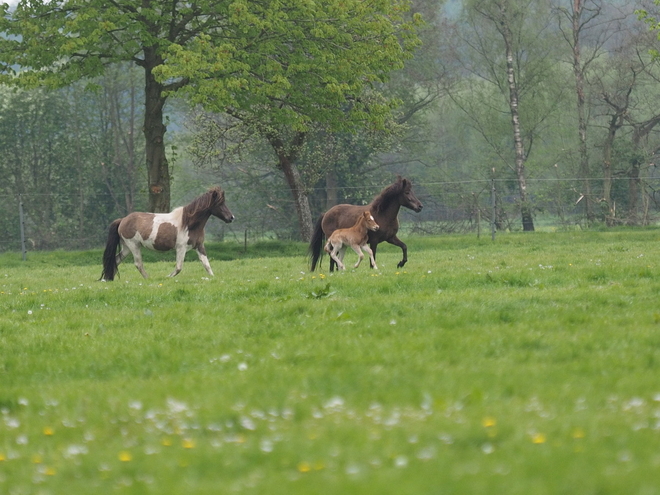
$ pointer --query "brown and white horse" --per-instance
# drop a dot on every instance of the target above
(385, 210)
(181, 229)
(356, 237)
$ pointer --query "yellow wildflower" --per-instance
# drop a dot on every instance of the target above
(539, 438)
(125, 456)
(488, 422)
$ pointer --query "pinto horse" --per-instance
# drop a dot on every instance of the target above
(181, 229)
(356, 237)
(385, 210)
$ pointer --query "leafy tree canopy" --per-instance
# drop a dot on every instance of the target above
(292, 62)
(288, 61)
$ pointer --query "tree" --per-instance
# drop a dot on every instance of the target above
(509, 67)
(295, 65)
(626, 84)
(277, 64)
(54, 43)
(588, 26)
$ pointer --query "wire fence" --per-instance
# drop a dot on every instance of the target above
(470, 206)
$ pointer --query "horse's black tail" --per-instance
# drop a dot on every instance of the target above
(316, 244)
(110, 268)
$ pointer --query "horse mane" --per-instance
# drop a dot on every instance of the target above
(386, 196)
(202, 204)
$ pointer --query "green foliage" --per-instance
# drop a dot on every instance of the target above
(321, 293)
(290, 64)
(70, 153)
(497, 367)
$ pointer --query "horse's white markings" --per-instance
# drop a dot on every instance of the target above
(205, 261)
(165, 231)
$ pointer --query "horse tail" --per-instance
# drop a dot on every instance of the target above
(316, 243)
(110, 268)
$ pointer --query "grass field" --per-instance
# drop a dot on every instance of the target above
(528, 365)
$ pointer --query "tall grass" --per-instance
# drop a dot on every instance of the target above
(527, 365)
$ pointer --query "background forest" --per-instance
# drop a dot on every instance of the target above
(529, 114)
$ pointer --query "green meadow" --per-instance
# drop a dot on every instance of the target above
(526, 365)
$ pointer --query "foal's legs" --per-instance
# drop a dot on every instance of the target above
(338, 248)
(372, 259)
(341, 254)
(358, 250)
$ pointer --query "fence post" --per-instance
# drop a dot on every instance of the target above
(476, 205)
(493, 227)
(20, 217)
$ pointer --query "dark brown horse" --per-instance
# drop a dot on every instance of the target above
(385, 210)
(181, 229)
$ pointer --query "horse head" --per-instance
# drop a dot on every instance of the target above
(369, 221)
(408, 198)
(218, 206)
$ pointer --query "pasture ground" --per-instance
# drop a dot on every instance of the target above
(526, 365)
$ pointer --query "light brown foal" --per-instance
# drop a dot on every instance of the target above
(356, 237)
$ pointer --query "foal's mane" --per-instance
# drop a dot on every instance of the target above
(388, 194)
(201, 205)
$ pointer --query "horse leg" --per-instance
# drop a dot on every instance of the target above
(340, 255)
(398, 242)
(137, 258)
(122, 254)
(372, 260)
(201, 252)
(358, 250)
(180, 256)
(334, 255)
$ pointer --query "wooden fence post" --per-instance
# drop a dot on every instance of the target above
(22, 222)
(493, 227)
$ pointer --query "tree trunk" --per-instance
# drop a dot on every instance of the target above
(578, 7)
(300, 197)
(158, 172)
(633, 191)
(640, 133)
(615, 124)
(286, 158)
(525, 207)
